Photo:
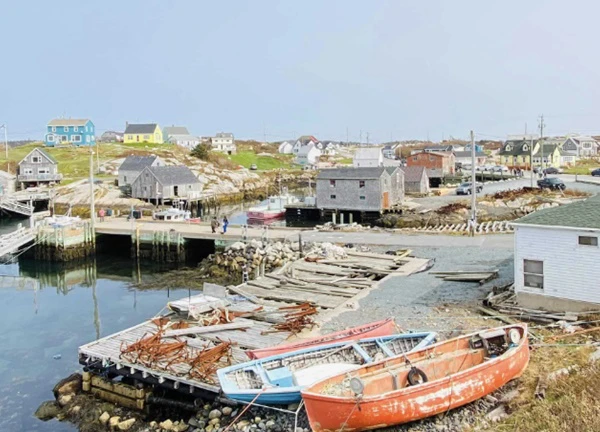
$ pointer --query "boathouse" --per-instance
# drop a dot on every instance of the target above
(38, 167)
(132, 166)
(165, 183)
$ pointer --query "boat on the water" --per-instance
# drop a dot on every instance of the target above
(378, 328)
(420, 384)
(279, 379)
(172, 214)
(273, 209)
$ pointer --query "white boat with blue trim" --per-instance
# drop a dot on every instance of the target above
(278, 380)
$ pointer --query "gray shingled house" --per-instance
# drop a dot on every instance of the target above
(165, 183)
(397, 180)
(416, 180)
(359, 189)
(38, 167)
(169, 131)
(132, 166)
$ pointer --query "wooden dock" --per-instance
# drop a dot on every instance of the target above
(326, 284)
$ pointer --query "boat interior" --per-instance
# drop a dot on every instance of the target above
(305, 368)
(426, 365)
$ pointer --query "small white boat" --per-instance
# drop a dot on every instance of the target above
(61, 221)
(172, 214)
(273, 209)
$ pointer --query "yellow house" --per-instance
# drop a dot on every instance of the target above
(517, 153)
(551, 156)
(148, 133)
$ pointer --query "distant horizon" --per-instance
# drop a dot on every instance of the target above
(276, 70)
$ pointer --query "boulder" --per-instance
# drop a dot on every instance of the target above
(227, 410)
(126, 424)
(166, 425)
(214, 414)
(64, 400)
(114, 421)
(69, 385)
(104, 417)
(47, 410)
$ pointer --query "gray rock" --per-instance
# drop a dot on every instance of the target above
(262, 426)
(214, 414)
(68, 386)
(227, 410)
(47, 410)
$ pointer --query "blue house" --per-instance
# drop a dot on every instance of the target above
(79, 132)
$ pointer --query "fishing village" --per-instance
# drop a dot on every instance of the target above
(211, 222)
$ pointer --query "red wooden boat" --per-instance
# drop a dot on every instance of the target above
(420, 384)
(375, 329)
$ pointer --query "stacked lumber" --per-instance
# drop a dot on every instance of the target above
(479, 276)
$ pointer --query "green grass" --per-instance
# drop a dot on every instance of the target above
(345, 161)
(583, 167)
(247, 158)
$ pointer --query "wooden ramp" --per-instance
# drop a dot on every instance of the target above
(325, 284)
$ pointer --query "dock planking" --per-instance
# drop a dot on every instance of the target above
(326, 285)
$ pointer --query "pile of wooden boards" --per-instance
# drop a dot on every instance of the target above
(479, 276)
(503, 300)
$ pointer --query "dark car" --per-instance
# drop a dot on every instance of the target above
(553, 183)
(596, 172)
(552, 170)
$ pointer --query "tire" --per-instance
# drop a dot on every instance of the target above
(416, 376)
(469, 192)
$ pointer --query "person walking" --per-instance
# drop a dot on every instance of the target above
(101, 213)
(225, 223)
(214, 223)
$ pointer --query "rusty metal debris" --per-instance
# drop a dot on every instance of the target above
(224, 316)
(205, 364)
(297, 318)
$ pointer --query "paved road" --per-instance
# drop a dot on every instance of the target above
(493, 187)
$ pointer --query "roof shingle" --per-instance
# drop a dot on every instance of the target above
(581, 214)
(140, 128)
(174, 175)
(137, 163)
(351, 173)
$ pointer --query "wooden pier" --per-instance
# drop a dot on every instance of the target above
(325, 284)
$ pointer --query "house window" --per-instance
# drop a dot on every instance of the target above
(362, 197)
(332, 183)
(66, 128)
(36, 159)
(146, 137)
(588, 241)
(75, 129)
(53, 128)
(27, 170)
(129, 137)
(332, 196)
(76, 138)
(415, 158)
(361, 183)
(43, 170)
(50, 138)
(124, 178)
(87, 138)
(533, 274)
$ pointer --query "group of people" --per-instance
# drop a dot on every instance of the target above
(517, 172)
(214, 224)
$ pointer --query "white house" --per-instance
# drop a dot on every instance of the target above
(368, 157)
(286, 147)
(389, 151)
(556, 257)
(187, 141)
(304, 140)
(308, 155)
(224, 142)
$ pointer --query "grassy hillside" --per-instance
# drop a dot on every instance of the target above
(276, 161)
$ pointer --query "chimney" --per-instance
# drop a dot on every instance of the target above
(126, 124)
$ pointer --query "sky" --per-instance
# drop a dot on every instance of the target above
(279, 69)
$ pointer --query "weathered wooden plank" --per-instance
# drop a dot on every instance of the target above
(295, 296)
(207, 329)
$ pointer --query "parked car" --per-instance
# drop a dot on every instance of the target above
(596, 172)
(552, 170)
(467, 188)
(500, 169)
(553, 183)
(253, 167)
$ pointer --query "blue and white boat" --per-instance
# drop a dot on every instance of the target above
(278, 380)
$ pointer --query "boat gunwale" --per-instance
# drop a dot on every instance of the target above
(409, 390)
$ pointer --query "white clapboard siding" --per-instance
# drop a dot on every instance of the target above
(571, 271)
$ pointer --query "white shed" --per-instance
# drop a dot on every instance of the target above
(368, 157)
(557, 256)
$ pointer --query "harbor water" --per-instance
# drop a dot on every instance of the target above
(48, 312)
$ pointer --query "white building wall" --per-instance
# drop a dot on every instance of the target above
(571, 271)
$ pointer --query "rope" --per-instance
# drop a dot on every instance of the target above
(349, 415)
(244, 410)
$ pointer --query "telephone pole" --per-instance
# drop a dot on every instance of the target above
(92, 204)
(367, 139)
(542, 125)
(473, 187)
(5, 141)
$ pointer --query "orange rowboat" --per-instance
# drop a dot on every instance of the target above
(375, 329)
(420, 384)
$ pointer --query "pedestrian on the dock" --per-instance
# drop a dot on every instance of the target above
(225, 223)
(214, 223)
(101, 213)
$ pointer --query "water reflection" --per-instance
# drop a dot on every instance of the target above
(49, 311)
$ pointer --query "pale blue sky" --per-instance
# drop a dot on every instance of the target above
(407, 69)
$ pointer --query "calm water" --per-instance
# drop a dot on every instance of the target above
(50, 311)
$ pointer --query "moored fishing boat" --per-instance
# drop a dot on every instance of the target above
(273, 209)
(420, 384)
(279, 379)
(378, 328)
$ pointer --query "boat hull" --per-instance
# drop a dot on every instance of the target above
(331, 413)
(261, 216)
(371, 330)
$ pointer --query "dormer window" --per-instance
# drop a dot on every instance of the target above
(508, 147)
(525, 147)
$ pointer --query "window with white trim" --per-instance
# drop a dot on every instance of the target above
(76, 138)
(43, 170)
(53, 128)
(66, 128)
(36, 159)
(27, 170)
(533, 274)
(75, 129)
(588, 241)
(50, 138)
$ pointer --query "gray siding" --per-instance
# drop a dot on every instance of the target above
(348, 194)
(146, 186)
(126, 177)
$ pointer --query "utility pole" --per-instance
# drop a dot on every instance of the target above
(5, 141)
(97, 157)
(347, 136)
(542, 125)
(360, 138)
(367, 139)
(92, 204)
(473, 187)
(531, 160)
